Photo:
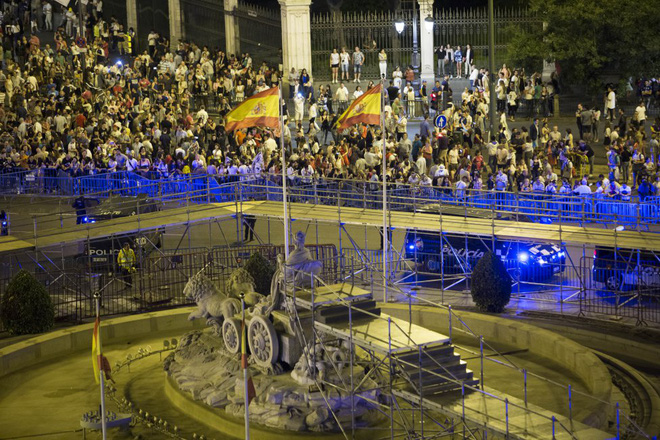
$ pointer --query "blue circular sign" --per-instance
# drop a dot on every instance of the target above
(441, 121)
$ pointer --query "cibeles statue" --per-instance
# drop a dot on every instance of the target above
(301, 267)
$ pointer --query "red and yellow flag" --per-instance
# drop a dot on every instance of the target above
(260, 110)
(96, 349)
(366, 109)
(251, 392)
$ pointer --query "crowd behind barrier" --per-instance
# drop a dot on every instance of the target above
(204, 188)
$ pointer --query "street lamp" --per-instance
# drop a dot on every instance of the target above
(428, 23)
(399, 24)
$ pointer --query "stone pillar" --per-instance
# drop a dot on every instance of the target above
(296, 37)
(131, 15)
(176, 23)
(232, 32)
(426, 46)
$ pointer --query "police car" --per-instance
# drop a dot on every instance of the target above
(101, 253)
(525, 261)
(627, 269)
(119, 206)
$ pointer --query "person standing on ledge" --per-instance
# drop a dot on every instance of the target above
(126, 260)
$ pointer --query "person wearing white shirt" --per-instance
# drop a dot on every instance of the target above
(461, 185)
(334, 65)
(244, 171)
(48, 16)
(358, 92)
(203, 115)
(397, 77)
(131, 163)
(468, 58)
(307, 172)
(269, 144)
(341, 95)
(344, 58)
(640, 114)
(610, 103)
(299, 107)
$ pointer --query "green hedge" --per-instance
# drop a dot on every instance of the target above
(262, 272)
(26, 307)
(491, 284)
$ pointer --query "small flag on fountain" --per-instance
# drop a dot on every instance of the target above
(251, 392)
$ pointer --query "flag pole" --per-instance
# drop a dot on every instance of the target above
(284, 176)
(245, 370)
(384, 178)
(104, 429)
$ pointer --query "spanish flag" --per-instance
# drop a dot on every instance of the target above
(96, 350)
(260, 110)
(366, 109)
(251, 394)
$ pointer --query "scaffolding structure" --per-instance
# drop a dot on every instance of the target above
(406, 366)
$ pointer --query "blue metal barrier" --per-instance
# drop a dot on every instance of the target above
(203, 188)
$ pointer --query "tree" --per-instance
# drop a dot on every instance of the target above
(26, 307)
(261, 271)
(591, 38)
(491, 284)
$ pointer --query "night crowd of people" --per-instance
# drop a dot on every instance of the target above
(101, 104)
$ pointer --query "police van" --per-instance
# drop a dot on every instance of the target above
(100, 254)
(627, 269)
(525, 261)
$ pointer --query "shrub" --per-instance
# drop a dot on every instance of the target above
(262, 272)
(491, 284)
(26, 306)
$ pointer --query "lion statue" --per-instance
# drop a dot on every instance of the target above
(211, 303)
(240, 281)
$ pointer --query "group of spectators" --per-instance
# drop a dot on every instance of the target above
(101, 105)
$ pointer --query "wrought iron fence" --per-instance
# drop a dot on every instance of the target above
(157, 282)
(375, 31)
(614, 288)
(204, 22)
(370, 31)
(459, 27)
(260, 31)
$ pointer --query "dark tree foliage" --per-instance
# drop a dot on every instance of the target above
(261, 271)
(491, 284)
(26, 307)
(592, 38)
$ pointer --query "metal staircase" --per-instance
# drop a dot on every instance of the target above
(433, 370)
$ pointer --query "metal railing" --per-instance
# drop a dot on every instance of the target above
(453, 318)
(447, 376)
(533, 207)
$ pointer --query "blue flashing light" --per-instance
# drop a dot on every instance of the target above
(85, 220)
(523, 257)
(411, 247)
(4, 223)
(542, 261)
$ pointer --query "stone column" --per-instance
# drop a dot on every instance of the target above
(426, 46)
(296, 36)
(131, 15)
(232, 32)
(176, 23)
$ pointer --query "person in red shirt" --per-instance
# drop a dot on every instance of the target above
(81, 120)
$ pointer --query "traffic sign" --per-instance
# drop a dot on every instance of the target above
(441, 121)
